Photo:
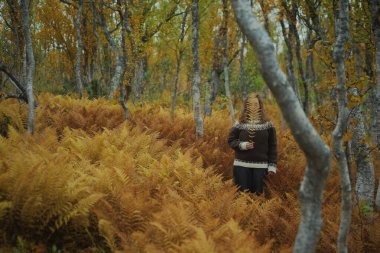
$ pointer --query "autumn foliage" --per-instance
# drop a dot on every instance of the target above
(88, 181)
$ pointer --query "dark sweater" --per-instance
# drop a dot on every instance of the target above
(264, 147)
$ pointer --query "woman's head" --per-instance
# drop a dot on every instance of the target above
(253, 110)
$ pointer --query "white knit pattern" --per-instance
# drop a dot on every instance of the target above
(247, 126)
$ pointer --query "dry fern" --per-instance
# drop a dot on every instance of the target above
(85, 180)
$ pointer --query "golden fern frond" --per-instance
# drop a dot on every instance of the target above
(108, 232)
(4, 206)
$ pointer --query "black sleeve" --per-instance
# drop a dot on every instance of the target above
(272, 147)
(233, 138)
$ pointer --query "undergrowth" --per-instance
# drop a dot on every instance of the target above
(88, 181)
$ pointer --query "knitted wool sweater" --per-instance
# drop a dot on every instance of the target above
(264, 152)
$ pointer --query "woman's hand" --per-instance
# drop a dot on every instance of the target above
(250, 145)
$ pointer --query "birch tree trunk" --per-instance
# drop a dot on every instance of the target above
(115, 80)
(78, 77)
(342, 34)
(196, 70)
(225, 60)
(375, 10)
(316, 151)
(179, 59)
(365, 176)
(124, 25)
(31, 63)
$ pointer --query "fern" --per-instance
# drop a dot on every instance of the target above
(84, 179)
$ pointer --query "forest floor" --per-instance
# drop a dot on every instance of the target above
(86, 181)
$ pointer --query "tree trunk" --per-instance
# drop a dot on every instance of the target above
(375, 10)
(124, 24)
(179, 58)
(316, 151)
(17, 29)
(163, 80)
(1, 82)
(289, 60)
(138, 78)
(365, 176)
(377, 201)
(196, 70)
(369, 102)
(294, 31)
(116, 78)
(243, 84)
(264, 10)
(225, 60)
(215, 80)
(99, 73)
(308, 67)
(78, 77)
(31, 64)
(24, 68)
(342, 34)
(16, 82)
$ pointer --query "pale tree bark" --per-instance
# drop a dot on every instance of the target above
(225, 60)
(316, 151)
(365, 176)
(196, 70)
(342, 34)
(375, 10)
(31, 63)
(124, 27)
(179, 59)
(117, 76)
(78, 77)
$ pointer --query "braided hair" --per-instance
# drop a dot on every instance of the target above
(253, 113)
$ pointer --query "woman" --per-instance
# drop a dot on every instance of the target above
(254, 140)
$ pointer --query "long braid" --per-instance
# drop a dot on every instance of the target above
(252, 113)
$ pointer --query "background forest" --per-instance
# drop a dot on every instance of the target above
(114, 117)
